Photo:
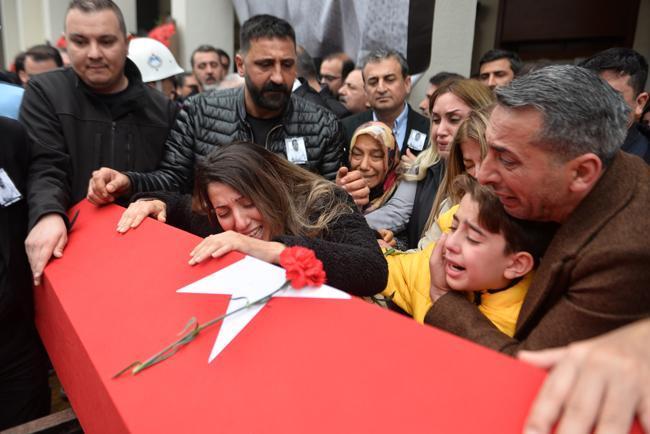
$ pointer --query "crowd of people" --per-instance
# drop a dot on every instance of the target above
(510, 210)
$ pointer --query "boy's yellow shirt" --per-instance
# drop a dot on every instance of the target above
(409, 282)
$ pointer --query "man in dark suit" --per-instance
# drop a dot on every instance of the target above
(554, 156)
(626, 70)
(23, 365)
(388, 84)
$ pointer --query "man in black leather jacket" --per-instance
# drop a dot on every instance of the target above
(264, 112)
(95, 114)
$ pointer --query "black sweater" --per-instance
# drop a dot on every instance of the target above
(348, 248)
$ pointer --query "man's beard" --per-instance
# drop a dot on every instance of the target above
(207, 87)
(261, 97)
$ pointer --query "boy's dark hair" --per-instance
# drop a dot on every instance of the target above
(264, 26)
(441, 77)
(520, 235)
(497, 53)
(43, 52)
(622, 60)
(204, 48)
(89, 6)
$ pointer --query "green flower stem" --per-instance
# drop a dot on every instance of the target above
(188, 336)
(392, 252)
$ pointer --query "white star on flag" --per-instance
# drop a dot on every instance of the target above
(248, 280)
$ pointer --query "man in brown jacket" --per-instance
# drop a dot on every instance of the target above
(554, 139)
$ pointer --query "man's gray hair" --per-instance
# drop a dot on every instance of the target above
(386, 53)
(581, 112)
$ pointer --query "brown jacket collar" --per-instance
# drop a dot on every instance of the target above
(612, 192)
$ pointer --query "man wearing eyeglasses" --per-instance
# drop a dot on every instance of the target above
(333, 71)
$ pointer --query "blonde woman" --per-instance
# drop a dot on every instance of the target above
(449, 105)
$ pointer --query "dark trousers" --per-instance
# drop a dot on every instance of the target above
(24, 389)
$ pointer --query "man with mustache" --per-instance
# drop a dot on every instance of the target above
(207, 67)
(97, 113)
(263, 111)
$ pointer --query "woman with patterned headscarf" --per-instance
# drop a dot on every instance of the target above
(374, 153)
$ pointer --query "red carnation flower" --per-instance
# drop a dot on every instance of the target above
(302, 267)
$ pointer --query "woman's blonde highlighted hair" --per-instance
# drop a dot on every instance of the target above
(473, 128)
(292, 200)
(474, 94)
